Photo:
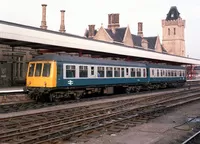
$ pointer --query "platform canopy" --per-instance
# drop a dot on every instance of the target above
(22, 35)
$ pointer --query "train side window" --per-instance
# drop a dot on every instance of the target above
(100, 71)
(132, 72)
(169, 73)
(122, 72)
(144, 72)
(117, 72)
(38, 69)
(31, 70)
(92, 70)
(138, 72)
(47, 69)
(161, 73)
(83, 71)
(152, 72)
(70, 71)
(157, 73)
(109, 72)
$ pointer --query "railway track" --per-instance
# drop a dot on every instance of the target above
(16, 107)
(110, 117)
(194, 139)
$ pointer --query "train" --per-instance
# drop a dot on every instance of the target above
(52, 76)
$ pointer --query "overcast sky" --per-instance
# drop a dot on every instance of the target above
(80, 13)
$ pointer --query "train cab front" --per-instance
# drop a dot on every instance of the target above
(41, 78)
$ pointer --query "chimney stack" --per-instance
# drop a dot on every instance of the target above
(43, 22)
(62, 24)
(91, 31)
(113, 21)
(140, 29)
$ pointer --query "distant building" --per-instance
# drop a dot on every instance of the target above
(172, 44)
(173, 33)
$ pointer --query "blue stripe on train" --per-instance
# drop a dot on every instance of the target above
(112, 81)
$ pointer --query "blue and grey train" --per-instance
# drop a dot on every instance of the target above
(61, 75)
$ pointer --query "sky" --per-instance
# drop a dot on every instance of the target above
(80, 13)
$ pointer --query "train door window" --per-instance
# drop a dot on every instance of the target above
(31, 70)
(47, 69)
(138, 72)
(38, 69)
(109, 72)
(158, 73)
(144, 72)
(100, 71)
(133, 72)
(127, 71)
(117, 72)
(70, 71)
(122, 72)
(92, 70)
(83, 71)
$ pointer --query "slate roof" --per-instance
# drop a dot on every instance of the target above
(137, 40)
(87, 33)
(173, 13)
(118, 36)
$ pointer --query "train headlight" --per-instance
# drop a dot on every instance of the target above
(45, 84)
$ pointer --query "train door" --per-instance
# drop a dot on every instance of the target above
(127, 72)
(93, 72)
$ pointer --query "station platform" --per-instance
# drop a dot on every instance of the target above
(193, 80)
(11, 90)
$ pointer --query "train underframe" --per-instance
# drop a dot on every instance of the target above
(52, 94)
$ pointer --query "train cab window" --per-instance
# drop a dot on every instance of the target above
(92, 70)
(47, 69)
(133, 72)
(122, 72)
(38, 69)
(83, 71)
(109, 72)
(70, 71)
(100, 71)
(117, 72)
(31, 70)
(144, 72)
(139, 72)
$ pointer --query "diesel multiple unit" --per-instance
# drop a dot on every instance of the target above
(58, 75)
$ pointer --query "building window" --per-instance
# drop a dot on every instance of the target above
(174, 31)
(168, 31)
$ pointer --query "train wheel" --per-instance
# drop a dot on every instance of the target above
(51, 97)
(128, 90)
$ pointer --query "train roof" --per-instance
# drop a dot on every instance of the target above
(84, 60)
(165, 66)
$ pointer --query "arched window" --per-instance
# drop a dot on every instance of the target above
(168, 31)
(174, 31)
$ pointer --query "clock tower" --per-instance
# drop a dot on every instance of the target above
(173, 39)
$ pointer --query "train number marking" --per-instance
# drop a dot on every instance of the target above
(70, 82)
